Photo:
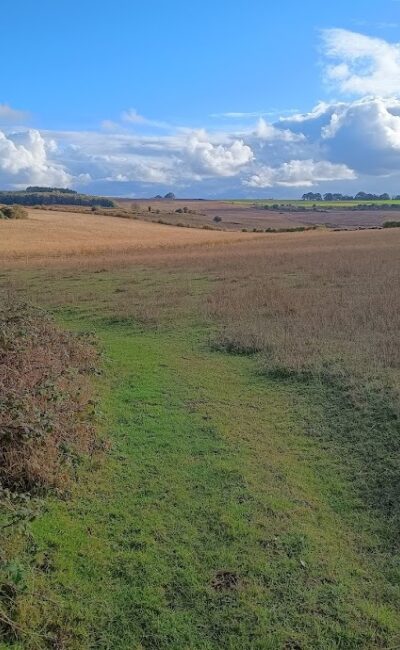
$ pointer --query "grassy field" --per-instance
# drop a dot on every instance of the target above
(249, 496)
(318, 204)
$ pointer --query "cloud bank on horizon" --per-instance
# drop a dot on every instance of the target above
(352, 142)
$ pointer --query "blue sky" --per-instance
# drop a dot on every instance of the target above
(205, 98)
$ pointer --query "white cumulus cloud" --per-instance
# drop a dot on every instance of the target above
(361, 65)
(266, 131)
(24, 159)
(216, 159)
(363, 134)
(299, 173)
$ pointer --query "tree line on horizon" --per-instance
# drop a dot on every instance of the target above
(37, 195)
(336, 196)
(41, 188)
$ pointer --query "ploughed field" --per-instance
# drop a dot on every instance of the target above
(238, 215)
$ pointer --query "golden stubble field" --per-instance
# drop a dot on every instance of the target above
(48, 234)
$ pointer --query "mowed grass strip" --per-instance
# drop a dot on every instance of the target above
(213, 523)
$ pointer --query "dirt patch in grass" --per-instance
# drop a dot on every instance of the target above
(225, 580)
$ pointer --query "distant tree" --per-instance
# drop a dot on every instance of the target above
(217, 219)
(312, 196)
(364, 196)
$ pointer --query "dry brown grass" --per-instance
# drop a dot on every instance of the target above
(48, 234)
(331, 299)
(302, 299)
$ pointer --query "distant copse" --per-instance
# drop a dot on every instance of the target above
(36, 195)
(336, 196)
(39, 188)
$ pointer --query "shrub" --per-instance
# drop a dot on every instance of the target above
(391, 224)
(45, 407)
(13, 212)
(217, 219)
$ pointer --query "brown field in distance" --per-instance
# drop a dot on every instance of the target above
(235, 216)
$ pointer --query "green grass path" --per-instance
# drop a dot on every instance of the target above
(213, 522)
